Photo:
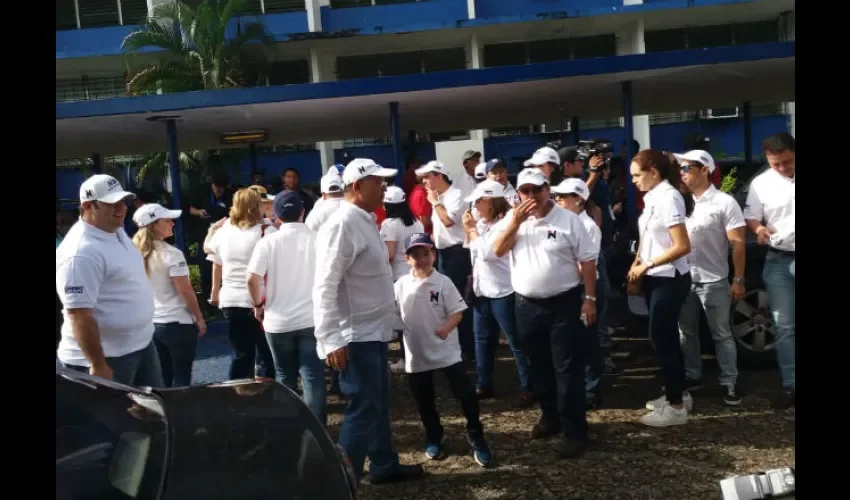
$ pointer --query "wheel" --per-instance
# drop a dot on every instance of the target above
(752, 328)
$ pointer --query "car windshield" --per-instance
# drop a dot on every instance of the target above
(110, 441)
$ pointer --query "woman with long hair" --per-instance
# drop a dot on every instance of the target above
(177, 318)
(661, 273)
(395, 229)
(494, 296)
(232, 246)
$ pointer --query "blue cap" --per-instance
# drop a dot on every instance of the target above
(491, 164)
(287, 206)
(418, 240)
(340, 168)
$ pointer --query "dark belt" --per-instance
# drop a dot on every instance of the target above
(787, 253)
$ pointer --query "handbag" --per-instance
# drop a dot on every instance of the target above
(636, 287)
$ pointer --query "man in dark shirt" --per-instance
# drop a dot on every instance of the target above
(292, 182)
(211, 203)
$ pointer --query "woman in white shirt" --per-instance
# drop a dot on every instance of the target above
(395, 230)
(177, 318)
(232, 246)
(494, 296)
(662, 273)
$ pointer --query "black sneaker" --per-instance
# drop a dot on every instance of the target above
(402, 473)
(545, 428)
(731, 398)
(786, 399)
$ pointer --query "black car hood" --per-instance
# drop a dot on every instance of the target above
(248, 440)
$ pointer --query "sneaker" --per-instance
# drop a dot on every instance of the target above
(786, 399)
(731, 397)
(434, 451)
(484, 393)
(397, 367)
(665, 416)
(481, 453)
(660, 402)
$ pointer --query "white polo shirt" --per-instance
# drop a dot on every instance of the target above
(511, 195)
(167, 262)
(772, 201)
(594, 232)
(544, 260)
(445, 237)
(288, 258)
(491, 275)
(104, 272)
(715, 213)
(424, 305)
(664, 208)
(395, 230)
(465, 182)
(321, 212)
(233, 247)
(353, 288)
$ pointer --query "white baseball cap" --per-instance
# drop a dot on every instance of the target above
(699, 156)
(105, 188)
(481, 171)
(331, 182)
(394, 194)
(360, 168)
(432, 166)
(543, 156)
(573, 186)
(486, 189)
(152, 212)
(531, 176)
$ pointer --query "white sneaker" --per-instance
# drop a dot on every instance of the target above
(665, 416)
(659, 402)
(397, 367)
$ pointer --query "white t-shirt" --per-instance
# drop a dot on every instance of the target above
(424, 305)
(772, 200)
(664, 208)
(511, 195)
(715, 213)
(288, 257)
(233, 247)
(167, 262)
(395, 230)
(321, 212)
(465, 182)
(544, 260)
(595, 234)
(104, 272)
(445, 237)
(491, 275)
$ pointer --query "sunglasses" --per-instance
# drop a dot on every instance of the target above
(687, 168)
(529, 190)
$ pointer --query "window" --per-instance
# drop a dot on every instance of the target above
(443, 60)
(400, 63)
(341, 4)
(98, 13)
(289, 72)
(549, 50)
(758, 32)
(658, 41)
(593, 46)
(405, 63)
(134, 11)
(710, 36)
(275, 6)
(251, 8)
(505, 54)
(357, 67)
(66, 15)
(88, 88)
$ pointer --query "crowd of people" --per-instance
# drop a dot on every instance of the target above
(450, 263)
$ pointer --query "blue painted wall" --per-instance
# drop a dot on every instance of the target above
(416, 16)
(726, 134)
(91, 42)
(544, 9)
(307, 163)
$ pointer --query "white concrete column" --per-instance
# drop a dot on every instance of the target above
(788, 20)
(626, 3)
(470, 8)
(630, 41)
(314, 15)
(475, 56)
(322, 70)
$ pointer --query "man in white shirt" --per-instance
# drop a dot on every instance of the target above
(454, 260)
(287, 261)
(716, 220)
(547, 245)
(466, 180)
(770, 214)
(546, 160)
(107, 298)
(331, 187)
(497, 171)
(354, 314)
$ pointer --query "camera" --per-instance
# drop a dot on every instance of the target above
(589, 149)
(773, 483)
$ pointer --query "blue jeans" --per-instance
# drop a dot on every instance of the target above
(365, 426)
(295, 352)
(140, 368)
(781, 290)
(715, 300)
(176, 343)
(488, 316)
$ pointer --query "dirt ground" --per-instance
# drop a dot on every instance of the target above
(625, 460)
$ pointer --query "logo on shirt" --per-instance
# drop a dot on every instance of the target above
(550, 235)
(435, 296)
(73, 290)
(182, 263)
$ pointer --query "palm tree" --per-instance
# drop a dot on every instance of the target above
(199, 49)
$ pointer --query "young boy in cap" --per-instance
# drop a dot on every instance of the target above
(431, 307)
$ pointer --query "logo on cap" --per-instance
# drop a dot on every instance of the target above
(152, 215)
(362, 170)
(111, 183)
(89, 194)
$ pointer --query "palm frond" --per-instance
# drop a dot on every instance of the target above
(149, 78)
(154, 34)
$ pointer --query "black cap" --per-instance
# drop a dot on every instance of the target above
(568, 154)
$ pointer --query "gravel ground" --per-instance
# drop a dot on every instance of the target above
(625, 461)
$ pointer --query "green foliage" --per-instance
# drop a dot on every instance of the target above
(195, 277)
(730, 181)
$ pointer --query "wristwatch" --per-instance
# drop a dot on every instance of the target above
(739, 281)
(590, 298)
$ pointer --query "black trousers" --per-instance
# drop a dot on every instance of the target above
(665, 297)
(456, 263)
(247, 337)
(422, 387)
(556, 342)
